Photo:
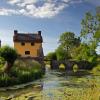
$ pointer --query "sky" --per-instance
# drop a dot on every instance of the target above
(52, 17)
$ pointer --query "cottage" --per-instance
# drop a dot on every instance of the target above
(28, 44)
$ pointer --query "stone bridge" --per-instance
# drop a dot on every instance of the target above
(69, 64)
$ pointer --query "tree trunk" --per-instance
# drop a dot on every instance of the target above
(7, 67)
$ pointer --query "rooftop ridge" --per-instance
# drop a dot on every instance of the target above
(27, 37)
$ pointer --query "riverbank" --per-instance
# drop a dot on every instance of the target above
(56, 86)
(23, 71)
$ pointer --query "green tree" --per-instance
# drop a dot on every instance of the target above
(68, 40)
(84, 52)
(9, 55)
(51, 56)
(91, 27)
(61, 53)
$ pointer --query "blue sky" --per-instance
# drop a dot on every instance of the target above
(52, 17)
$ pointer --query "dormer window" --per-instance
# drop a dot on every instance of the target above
(22, 43)
(32, 44)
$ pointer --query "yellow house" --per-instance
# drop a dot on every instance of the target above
(28, 44)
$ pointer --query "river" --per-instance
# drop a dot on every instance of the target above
(54, 85)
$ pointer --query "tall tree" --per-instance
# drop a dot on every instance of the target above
(68, 40)
(91, 27)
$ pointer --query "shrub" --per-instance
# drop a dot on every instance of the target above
(9, 55)
(2, 62)
(22, 72)
(27, 65)
(96, 69)
(5, 80)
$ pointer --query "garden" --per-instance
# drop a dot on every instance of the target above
(14, 71)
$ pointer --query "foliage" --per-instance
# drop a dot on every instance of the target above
(5, 80)
(2, 62)
(61, 53)
(8, 53)
(84, 52)
(96, 69)
(26, 64)
(91, 27)
(51, 55)
(22, 72)
(68, 40)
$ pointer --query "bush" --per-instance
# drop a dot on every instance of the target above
(23, 71)
(51, 56)
(27, 65)
(96, 69)
(2, 61)
(5, 80)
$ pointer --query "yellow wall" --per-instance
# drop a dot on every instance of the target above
(27, 47)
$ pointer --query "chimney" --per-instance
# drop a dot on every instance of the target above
(15, 32)
(39, 33)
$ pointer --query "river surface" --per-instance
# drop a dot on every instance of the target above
(53, 86)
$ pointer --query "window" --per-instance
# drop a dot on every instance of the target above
(22, 43)
(32, 44)
(27, 52)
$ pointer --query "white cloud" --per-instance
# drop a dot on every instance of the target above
(6, 12)
(13, 1)
(47, 10)
(21, 3)
(37, 8)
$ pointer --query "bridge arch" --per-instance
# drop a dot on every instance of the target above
(70, 64)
